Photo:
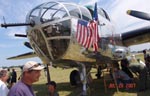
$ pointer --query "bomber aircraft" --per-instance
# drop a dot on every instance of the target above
(69, 35)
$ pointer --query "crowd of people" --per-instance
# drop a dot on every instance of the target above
(23, 87)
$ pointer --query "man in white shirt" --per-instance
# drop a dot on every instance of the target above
(3, 79)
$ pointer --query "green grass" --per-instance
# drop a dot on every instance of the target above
(65, 89)
(61, 77)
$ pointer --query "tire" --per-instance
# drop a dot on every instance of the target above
(75, 78)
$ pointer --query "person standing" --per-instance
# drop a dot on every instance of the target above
(9, 77)
(124, 67)
(52, 88)
(31, 74)
(147, 60)
(121, 76)
(3, 79)
(13, 77)
(99, 72)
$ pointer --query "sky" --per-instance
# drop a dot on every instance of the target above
(17, 11)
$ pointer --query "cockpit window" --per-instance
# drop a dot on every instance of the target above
(103, 13)
(100, 11)
(53, 11)
(85, 14)
(106, 15)
(73, 11)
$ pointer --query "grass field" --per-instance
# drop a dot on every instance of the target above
(65, 89)
(61, 76)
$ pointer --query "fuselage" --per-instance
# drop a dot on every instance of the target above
(53, 37)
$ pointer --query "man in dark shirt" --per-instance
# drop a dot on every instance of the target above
(147, 60)
(124, 67)
(31, 74)
(13, 77)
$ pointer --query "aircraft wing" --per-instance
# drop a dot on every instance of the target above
(137, 36)
(23, 56)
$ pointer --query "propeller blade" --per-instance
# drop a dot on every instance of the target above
(27, 44)
(138, 14)
(20, 35)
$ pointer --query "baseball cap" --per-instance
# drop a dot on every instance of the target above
(32, 65)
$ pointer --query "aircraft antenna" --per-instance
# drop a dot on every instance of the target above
(4, 20)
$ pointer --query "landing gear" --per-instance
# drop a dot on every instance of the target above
(82, 77)
(48, 73)
(75, 78)
(84, 74)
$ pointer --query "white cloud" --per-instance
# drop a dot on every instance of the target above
(5, 45)
(88, 2)
(125, 22)
(119, 15)
(139, 48)
(3, 7)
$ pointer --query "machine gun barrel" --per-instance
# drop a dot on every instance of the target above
(20, 35)
(16, 24)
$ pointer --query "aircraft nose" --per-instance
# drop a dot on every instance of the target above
(51, 41)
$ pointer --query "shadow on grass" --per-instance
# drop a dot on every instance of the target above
(97, 89)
